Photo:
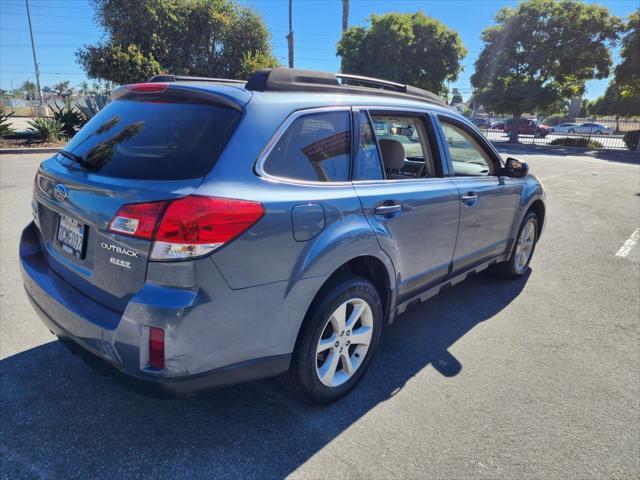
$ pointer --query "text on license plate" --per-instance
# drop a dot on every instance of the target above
(71, 235)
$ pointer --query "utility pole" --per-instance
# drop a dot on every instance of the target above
(33, 50)
(345, 15)
(290, 36)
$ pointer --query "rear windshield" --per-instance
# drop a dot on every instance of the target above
(153, 140)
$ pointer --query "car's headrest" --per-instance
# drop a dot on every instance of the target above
(392, 154)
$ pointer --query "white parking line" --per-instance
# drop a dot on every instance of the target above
(625, 249)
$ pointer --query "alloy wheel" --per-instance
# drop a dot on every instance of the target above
(344, 342)
(524, 247)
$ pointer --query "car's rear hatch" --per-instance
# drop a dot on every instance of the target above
(153, 142)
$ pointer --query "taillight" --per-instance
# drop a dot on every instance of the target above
(156, 348)
(189, 227)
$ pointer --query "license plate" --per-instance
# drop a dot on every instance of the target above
(71, 235)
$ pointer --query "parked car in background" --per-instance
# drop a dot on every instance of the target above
(200, 232)
(563, 127)
(497, 125)
(481, 122)
(590, 128)
(524, 126)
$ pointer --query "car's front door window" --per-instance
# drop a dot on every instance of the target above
(467, 157)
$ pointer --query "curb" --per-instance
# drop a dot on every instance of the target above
(13, 151)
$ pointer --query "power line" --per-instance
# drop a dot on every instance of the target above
(42, 32)
(48, 16)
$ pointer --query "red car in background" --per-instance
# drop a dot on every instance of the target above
(525, 126)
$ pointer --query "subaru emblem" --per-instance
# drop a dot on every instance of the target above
(60, 192)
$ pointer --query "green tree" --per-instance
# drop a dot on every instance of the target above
(627, 73)
(542, 52)
(214, 38)
(409, 48)
(28, 88)
(615, 101)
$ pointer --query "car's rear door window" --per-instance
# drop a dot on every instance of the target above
(316, 147)
(153, 140)
(406, 145)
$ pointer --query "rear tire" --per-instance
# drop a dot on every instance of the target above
(336, 342)
(523, 249)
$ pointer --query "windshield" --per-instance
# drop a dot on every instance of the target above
(152, 140)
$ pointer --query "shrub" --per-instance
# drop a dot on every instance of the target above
(631, 139)
(47, 129)
(576, 142)
(556, 119)
(5, 128)
(71, 120)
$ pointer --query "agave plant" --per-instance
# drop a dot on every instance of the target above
(93, 104)
(70, 118)
(5, 127)
(47, 129)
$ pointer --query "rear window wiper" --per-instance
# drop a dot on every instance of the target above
(74, 158)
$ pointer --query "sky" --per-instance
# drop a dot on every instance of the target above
(62, 26)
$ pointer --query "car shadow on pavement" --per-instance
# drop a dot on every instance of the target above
(60, 419)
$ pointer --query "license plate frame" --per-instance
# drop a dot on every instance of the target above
(71, 236)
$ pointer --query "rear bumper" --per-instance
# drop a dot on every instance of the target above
(168, 386)
(199, 349)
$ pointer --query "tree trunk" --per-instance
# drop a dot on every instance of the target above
(515, 125)
(345, 15)
(290, 36)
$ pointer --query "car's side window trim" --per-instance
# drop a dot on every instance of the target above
(355, 129)
(375, 138)
(284, 126)
(479, 140)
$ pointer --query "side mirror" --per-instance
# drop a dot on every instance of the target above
(515, 168)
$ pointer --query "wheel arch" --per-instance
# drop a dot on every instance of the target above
(538, 207)
(370, 268)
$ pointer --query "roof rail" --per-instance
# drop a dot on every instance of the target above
(296, 80)
(180, 78)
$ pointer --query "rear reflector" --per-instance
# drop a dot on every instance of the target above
(155, 87)
(156, 348)
(189, 227)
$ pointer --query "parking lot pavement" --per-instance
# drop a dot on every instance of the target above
(537, 378)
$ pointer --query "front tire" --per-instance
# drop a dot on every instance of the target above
(523, 249)
(337, 341)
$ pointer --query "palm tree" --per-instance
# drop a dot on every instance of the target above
(83, 88)
(29, 88)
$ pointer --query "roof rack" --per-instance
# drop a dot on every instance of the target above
(296, 80)
(181, 78)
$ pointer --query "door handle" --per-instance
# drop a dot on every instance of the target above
(387, 209)
(470, 198)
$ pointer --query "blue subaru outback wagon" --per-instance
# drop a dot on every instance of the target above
(199, 232)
